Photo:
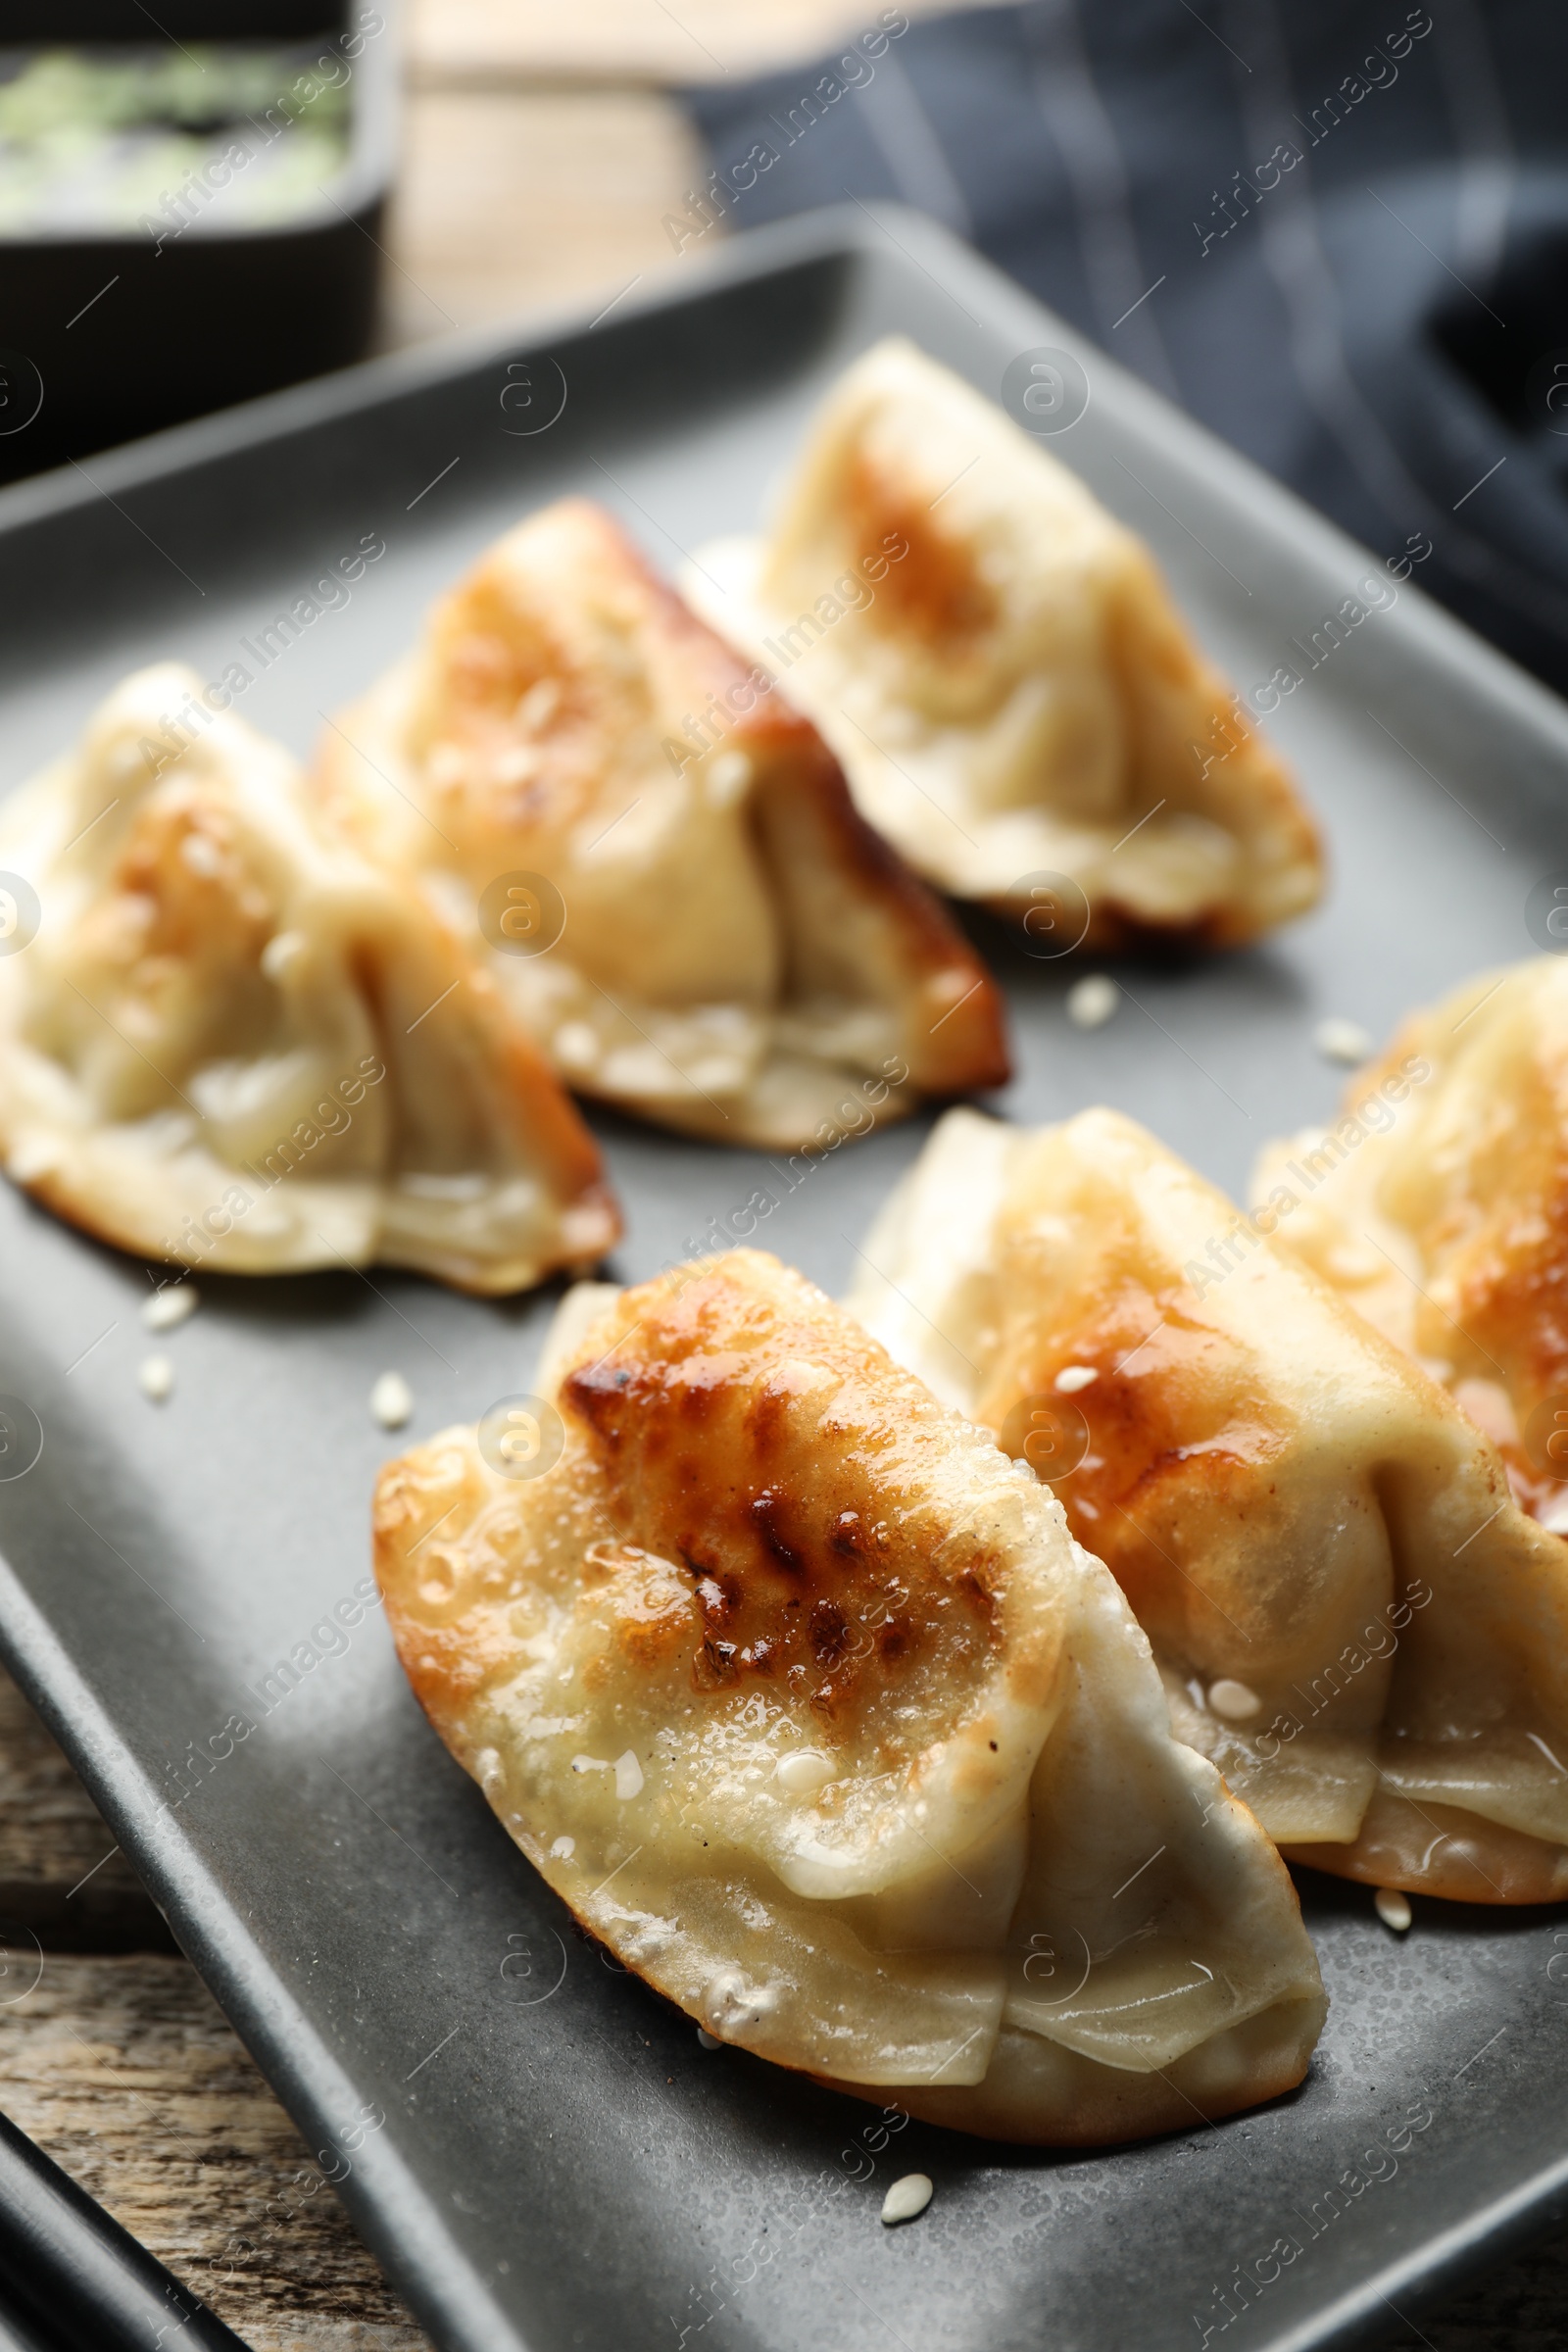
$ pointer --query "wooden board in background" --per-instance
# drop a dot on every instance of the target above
(632, 41)
(511, 202)
(118, 2061)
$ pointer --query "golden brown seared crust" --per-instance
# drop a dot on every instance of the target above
(807, 1569)
(450, 1651)
(1498, 1233)
(1003, 672)
(1178, 1420)
(1354, 1621)
(775, 1650)
(956, 1042)
(1177, 704)
(710, 1418)
(1448, 1229)
(236, 1044)
(1178, 699)
(935, 593)
(491, 647)
(568, 714)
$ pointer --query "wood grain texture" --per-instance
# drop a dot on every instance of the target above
(625, 41)
(62, 1876)
(120, 2065)
(122, 2068)
(512, 203)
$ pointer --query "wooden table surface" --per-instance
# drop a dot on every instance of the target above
(541, 152)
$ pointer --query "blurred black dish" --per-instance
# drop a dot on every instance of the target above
(208, 211)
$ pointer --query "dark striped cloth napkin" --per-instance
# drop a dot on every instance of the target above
(1337, 233)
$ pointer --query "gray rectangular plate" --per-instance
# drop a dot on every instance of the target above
(561, 2164)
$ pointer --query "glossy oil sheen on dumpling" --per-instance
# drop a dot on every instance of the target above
(802, 1696)
(999, 666)
(234, 1043)
(1445, 1223)
(1353, 1618)
(739, 948)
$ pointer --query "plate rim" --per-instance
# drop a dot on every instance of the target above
(389, 2208)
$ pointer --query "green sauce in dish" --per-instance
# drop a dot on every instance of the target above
(101, 142)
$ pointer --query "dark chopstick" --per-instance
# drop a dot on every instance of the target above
(19, 2336)
(71, 2275)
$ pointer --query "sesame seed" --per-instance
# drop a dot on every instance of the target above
(1091, 1001)
(1343, 1041)
(156, 1378)
(392, 1400)
(728, 777)
(282, 950)
(170, 1307)
(906, 2198)
(1392, 1908)
(577, 1045)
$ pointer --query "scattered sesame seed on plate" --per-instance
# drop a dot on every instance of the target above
(156, 1378)
(1343, 1041)
(906, 2198)
(1392, 1908)
(392, 1400)
(1091, 1001)
(174, 1304)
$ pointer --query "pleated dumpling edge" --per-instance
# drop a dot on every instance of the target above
(1352, 1616)
(1018, 703)
(704, 930)
(230, 1041)
(803, 1700)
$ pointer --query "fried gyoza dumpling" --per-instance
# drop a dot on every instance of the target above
(999, 666)
(234, 1043)
(1446, 1223)
(1352, 1617)
(802, 1696)
(703, 930)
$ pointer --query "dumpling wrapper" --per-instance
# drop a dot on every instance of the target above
(1289, 1503)
(1015, 694)
(801, 1698)
(1446, 1223)
(739, 947)
(235, 1043)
